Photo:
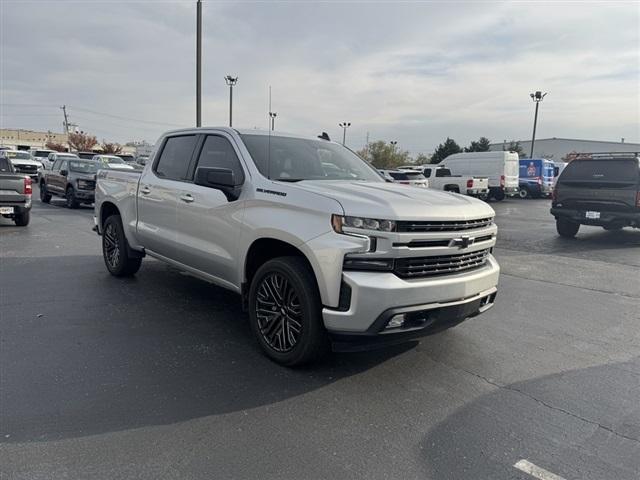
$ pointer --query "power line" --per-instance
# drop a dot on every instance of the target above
(120, 117)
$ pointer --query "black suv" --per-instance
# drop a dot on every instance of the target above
(72, 179)
(598, 189)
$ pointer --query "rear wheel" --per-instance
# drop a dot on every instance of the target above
(22, 219)
(524, 192)
(286, 313)
(115, 249)
(45, 196)
(71, 198)
(498, 194)
(567, 228)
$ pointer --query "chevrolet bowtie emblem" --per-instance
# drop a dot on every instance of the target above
(462, 242)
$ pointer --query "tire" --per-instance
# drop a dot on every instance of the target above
(45, 196)
(70, 196)
(115, 249)
(567, 228)
(498, 195)
(22, 219)
(523, 193)
(452, 189)
(283, 298)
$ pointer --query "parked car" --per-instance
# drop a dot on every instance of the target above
(73, 179)
(405, 177)
(15, 193)
(23, 162)
(86, 155)
(501, 168)
(441, 178)
(317, 260)
(142, 160)
(598, 189)
(127, 157)
(53, 156)
(111, 161)
(536, 177)
(41, 155)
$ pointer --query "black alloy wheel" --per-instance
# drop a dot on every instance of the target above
(279, 313)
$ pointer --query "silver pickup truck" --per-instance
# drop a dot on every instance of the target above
(15, 193)
(321, 249)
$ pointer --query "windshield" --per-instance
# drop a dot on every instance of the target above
(83, 167)
(19, 155)
(293, 159)
(601, 171)
(42, 153)
(112, 160)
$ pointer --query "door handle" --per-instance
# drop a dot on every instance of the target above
(186, 197)
(145, 190)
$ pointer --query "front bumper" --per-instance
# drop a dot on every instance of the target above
(85, 195)
(606, 218)
(375, 294)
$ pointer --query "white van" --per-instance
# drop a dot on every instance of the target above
(501, 168)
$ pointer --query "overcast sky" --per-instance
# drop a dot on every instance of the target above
(415, 72)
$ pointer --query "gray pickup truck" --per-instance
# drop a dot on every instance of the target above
(15, 193)
(321, 249)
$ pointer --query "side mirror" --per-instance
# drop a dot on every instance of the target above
(64, 173)
(222, 179)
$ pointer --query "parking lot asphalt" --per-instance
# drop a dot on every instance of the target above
(158, 376)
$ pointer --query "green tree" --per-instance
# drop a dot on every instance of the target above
(482, 145)
(421, 159)
(449, 147)
(515, 147)
(383, 155)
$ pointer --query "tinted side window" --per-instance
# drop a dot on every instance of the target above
(398, 176)
(176, 155)
(5, 166)
(427, 172)
(63, 165)
(217, 152)
(56, 165)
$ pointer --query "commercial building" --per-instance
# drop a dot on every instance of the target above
(558, 148)
(26, 139)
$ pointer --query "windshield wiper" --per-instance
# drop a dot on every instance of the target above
(288, 179)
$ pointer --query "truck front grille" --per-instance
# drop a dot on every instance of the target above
(442, 226)
(30, 169)
(429, 266)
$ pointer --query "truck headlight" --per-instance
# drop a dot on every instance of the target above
(367, 264)
(84, 185)
(339, 221)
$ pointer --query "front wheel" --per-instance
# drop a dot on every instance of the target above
(567, 228)
(71, 198)
(498, 194)
(286, 313)
(115, 249)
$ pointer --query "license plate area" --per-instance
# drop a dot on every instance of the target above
(592, 215)
(6, 210)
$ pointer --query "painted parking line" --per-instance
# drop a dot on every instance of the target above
(535, 471)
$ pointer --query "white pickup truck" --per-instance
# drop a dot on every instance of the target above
(321, 249)
(441, 178)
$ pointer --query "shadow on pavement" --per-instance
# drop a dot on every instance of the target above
(85, 353)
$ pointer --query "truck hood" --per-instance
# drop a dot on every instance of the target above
(398, 202)
(22, 161)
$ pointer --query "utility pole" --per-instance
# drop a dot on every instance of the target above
(344, 126)
(537, 98)
(199, 63)
(231, 81)
(66, 120)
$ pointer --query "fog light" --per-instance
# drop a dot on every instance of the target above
(396, 321)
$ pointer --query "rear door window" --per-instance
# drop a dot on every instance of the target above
(174, 160)
(443, 172)
(602, 171)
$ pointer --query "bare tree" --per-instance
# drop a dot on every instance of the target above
(82, 142)
(58, 147)
(112, 148)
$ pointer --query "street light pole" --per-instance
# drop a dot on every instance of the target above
(273, 116)
(199, 63)
(344, 126)
(537, 98)
(231, 81)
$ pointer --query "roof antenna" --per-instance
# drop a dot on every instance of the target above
(324, 136)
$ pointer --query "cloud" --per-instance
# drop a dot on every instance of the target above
(412, 72)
